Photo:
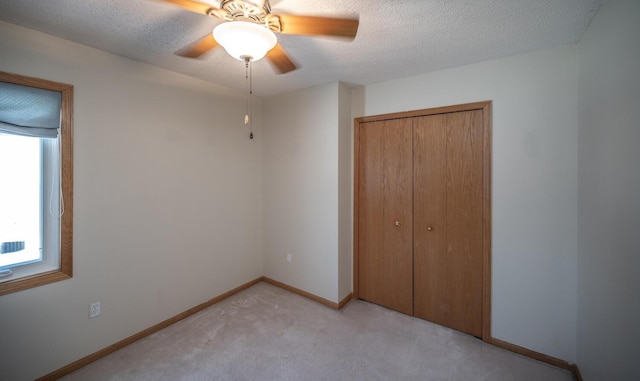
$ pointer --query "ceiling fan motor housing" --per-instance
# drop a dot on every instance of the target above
(246, 10)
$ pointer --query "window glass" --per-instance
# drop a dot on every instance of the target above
(20, 200)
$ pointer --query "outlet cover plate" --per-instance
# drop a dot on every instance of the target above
(94, 310)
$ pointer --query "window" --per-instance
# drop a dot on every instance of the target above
(36, 182)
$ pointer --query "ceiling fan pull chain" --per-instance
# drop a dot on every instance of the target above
(249, 77)
(247, 103)
(250, 96)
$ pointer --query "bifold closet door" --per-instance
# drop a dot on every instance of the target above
(448, 199)
(385, 195)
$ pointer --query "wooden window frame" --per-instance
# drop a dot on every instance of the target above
(65, 270)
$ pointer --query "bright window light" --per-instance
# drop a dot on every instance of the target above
(20, 200)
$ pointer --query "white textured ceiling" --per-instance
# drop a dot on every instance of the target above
(396, 38)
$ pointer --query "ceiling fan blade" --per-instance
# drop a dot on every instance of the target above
(194, 6)
(198, 48)
(280, 61)
(314, 26)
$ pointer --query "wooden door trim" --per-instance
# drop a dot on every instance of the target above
(486, 223)
(485, 106)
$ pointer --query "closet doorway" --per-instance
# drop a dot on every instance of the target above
(422, 214)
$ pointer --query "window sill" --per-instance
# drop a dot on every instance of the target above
(33, 281)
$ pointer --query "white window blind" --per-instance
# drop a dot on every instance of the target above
(29, 111)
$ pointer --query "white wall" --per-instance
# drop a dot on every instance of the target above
(609, 194)
(300, 172)
(534, 202)
(167, 202)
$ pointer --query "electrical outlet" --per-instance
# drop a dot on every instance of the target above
(289, 257)
(94, 310)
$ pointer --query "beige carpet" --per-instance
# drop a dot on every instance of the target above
(266, 333)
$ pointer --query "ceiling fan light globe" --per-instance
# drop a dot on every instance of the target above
(245, 39)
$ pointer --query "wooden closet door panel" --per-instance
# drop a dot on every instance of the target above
(430, 202)
(448, 270)
(464, 219)
(385, 196)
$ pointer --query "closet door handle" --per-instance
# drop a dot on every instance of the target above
(397, 223)
(429, 228)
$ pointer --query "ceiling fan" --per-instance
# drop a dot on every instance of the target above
(248, 32)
